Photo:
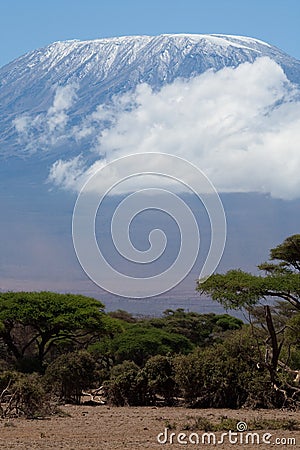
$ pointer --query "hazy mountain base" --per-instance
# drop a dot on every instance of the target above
(37, 251)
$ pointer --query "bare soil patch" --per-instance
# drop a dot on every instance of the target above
(111, 428)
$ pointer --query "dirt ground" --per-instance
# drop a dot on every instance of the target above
(110, 428)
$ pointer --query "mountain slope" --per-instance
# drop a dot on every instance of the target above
(252, 138)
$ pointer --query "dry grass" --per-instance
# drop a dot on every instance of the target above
(109, 428)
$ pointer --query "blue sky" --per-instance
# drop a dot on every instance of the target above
(26, 25)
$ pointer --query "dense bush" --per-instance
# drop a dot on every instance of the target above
(31, 398)
(124, 386)
(23, 395)
(224, 375)
(69, 374)
(201, 360)
(159, 377)
(189, 376)
(131, 385)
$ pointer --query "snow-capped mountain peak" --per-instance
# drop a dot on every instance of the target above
(104, 67)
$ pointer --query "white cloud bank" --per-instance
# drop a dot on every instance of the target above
(64, 98)
(240, 126)
(44, 130)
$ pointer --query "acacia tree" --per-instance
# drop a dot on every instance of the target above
(281, 281)
(34, 322)
(237, 289)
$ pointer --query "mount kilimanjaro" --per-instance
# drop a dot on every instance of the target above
(103, 68)
(48, 92)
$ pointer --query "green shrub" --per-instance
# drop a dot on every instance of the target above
(23, 395)
(31, 398)
(159, 374)
(69, 374)
(124, 387)
(189, 376)
(223, 375)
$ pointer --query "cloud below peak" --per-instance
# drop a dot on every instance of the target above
(240, 126)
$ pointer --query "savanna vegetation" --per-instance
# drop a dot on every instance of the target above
(58, 348)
